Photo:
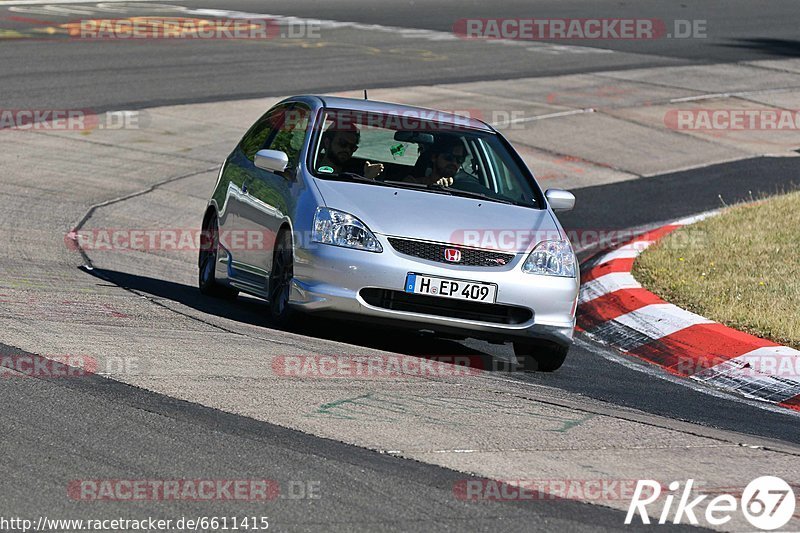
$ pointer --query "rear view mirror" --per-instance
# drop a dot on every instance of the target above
(560, 200)
(272, 160)
(413, 137)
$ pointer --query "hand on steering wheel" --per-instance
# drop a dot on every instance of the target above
(372, 171)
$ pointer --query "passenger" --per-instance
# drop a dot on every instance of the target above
(445, 159)
(338, 146)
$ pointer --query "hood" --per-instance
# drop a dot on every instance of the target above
(429, 216)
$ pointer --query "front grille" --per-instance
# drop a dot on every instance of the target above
(438, 306)
(436, 252)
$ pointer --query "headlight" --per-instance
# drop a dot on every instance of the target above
(551, 258)
(343, 229)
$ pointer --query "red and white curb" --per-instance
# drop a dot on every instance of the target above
(616, 309)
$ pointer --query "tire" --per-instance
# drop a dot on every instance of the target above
(540, 356)
(280, 281)
(209, 251)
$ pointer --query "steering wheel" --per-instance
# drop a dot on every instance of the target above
(469, 183)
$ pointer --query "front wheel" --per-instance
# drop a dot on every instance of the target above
(280, 281)
(540, 356)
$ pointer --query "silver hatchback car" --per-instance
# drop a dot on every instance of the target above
(395, 215)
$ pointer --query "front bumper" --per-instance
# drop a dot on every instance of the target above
(328, 279)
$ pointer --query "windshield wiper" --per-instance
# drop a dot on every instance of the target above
(358, 178)
(352, 176)
(417, 186)
(469, 194)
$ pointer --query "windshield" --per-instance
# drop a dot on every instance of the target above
(414, 152)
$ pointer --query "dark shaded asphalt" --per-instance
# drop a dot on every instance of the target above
(679, 194)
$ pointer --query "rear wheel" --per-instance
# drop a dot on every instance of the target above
(209, 251)
(540, 356)
(280, 281)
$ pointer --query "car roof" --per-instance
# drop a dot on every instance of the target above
(374, 106)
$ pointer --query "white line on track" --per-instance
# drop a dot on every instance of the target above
(548, 115)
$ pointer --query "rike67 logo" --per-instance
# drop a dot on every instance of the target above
(767, 502)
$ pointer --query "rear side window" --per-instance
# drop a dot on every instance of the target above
(255, 139)
(289, 138)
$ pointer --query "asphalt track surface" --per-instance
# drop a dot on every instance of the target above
(57, 72)
(121, 432)
(55, 430)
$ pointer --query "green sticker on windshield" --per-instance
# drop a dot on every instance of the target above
(398, 150)
(326, 170)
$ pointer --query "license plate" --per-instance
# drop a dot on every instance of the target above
(458, 289)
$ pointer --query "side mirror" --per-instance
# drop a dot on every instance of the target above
(272, 160)
(559, 199)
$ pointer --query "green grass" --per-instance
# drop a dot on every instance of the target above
(741, 268)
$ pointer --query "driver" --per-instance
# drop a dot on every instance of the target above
(446, 158)
(336, 156)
